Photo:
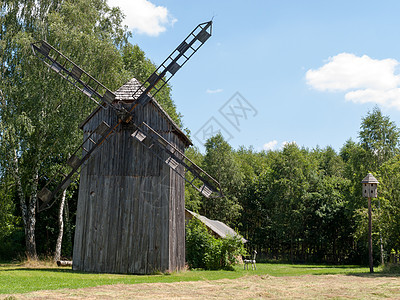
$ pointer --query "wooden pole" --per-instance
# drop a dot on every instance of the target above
(371, 262)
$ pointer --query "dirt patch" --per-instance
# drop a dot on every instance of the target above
(251, 287)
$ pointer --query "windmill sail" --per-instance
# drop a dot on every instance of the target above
(76, 160)
(153, 141)
(174, 158)
(96, 91)
(160, 77)
(75, 75)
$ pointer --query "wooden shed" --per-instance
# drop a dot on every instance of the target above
(131, 206)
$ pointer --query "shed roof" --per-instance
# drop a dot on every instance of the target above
(219, 228)
(125, 93)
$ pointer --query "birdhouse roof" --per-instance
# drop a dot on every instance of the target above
(125, 93)
(369, 179)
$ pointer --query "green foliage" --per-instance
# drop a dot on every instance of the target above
(193, 199)
(8, 220)
(299, 204)
(198, 240)
(391, 269)
(379, 137)
(387, 211)
(222, 164)
(12, 245)
(207, 252)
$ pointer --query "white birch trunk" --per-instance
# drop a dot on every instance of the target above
(28, 211)
(21, 195)
(31, 240)
(57, 253)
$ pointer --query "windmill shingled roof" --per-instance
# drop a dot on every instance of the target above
(125, 92)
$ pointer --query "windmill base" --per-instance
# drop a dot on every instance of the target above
(129, 225)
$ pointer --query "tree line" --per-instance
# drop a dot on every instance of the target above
(300, 204)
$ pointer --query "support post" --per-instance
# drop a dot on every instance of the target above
(370, 190)
(371, 261)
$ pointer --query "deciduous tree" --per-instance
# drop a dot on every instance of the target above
(221, 163)
(38, 131)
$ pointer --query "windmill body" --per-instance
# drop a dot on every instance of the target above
(130, 216)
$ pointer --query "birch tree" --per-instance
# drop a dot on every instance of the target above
(39, 111)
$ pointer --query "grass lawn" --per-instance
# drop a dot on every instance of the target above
(22, 278)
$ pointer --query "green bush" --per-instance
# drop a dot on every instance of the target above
(207, 252)
(13, 245)
(391, 268)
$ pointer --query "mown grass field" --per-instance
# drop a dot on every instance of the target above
(28, 277)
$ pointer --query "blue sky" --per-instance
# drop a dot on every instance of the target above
(277, 71)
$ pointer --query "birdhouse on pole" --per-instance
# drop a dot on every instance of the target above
(370, 190)
(370, 186)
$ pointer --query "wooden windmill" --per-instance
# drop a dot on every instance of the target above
(130, 216)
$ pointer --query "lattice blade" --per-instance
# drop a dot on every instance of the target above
(173, 63)
(102, 129)
(75, 163)
(75, 75)
(45, 195)
(140, 136)
(170, 161)
(175, 158)
(206, 191)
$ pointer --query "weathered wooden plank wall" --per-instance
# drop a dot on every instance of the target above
(130, 216)
(177, 217)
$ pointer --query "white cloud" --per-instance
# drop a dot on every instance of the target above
(388, 98)
(270, 145)
(362, 78)
(209, 91)
(287, 143)
(143, 17)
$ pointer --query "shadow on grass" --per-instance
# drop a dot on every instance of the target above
(70, 271)
(42, 270)
(380, 273)
(325, 266)
(375, 274)
(49, 270)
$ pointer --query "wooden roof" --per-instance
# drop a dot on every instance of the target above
(217, 227)
(124, 94)
(369, 179)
